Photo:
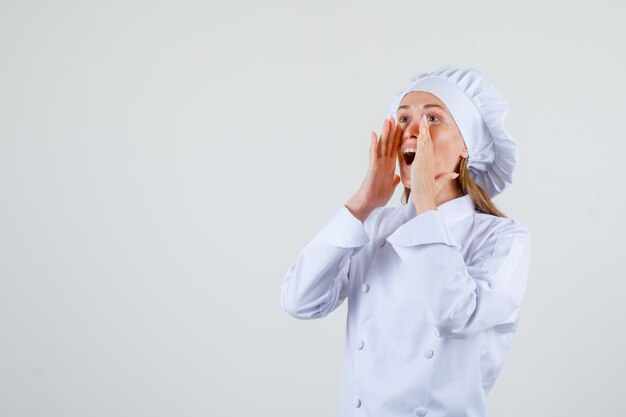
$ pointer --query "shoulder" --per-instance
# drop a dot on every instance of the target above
(504, 237)
(495, 226)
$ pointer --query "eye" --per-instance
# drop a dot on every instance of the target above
(402, 119)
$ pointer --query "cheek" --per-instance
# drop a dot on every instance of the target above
(445, 151)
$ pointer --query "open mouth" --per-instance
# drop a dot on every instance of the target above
(408, 156)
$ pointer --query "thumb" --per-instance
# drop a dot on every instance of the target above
(396, 180)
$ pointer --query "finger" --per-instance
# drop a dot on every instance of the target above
(445, 177)
(390, 132)
(383, 137)
(392, 136)
(420, 135)
(421, 131)
(426, 128)
(373, 145)
(393, 142)
(388, 136)
(396, 140)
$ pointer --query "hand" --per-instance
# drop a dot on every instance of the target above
(424, 186)
(380, 180)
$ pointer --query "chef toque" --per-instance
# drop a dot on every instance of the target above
(479, 112)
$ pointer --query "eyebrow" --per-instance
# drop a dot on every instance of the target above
(425, 106)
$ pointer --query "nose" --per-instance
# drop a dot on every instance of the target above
(411, 130)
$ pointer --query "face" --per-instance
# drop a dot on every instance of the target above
(448, 144)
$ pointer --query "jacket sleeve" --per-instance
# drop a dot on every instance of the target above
(463, 299)
(317, 282)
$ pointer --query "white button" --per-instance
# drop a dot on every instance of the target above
(364, 288)
(420, 412)
(435, 332)
(428, 353)
(360, 344)
(357, 402)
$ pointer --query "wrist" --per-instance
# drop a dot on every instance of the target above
(359, 209)
(424, 204)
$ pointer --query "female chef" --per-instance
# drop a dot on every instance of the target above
(434, 286)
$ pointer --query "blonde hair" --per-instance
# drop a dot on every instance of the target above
(482, 201)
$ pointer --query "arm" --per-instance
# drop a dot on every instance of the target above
(464, 299)
(317, 282)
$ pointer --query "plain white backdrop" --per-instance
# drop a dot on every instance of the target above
(162, 163)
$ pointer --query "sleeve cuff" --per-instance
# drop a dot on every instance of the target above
(426, 227)
(344, 230)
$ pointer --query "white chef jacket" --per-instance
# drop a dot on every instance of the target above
(433, 304)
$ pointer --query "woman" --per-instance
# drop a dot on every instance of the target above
(434, 286)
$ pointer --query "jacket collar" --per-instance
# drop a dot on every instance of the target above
(450, 211)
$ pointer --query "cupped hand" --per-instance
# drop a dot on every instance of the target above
(381, 180)
(424, 185)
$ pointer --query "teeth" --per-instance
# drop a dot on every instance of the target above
(409, 150)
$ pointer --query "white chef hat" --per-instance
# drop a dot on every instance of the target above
(479, 112)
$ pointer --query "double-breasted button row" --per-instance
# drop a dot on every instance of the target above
(420, 412)
(357, 402)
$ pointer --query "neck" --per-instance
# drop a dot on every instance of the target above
(449, 191)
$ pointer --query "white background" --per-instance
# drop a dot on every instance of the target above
(162, 163)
